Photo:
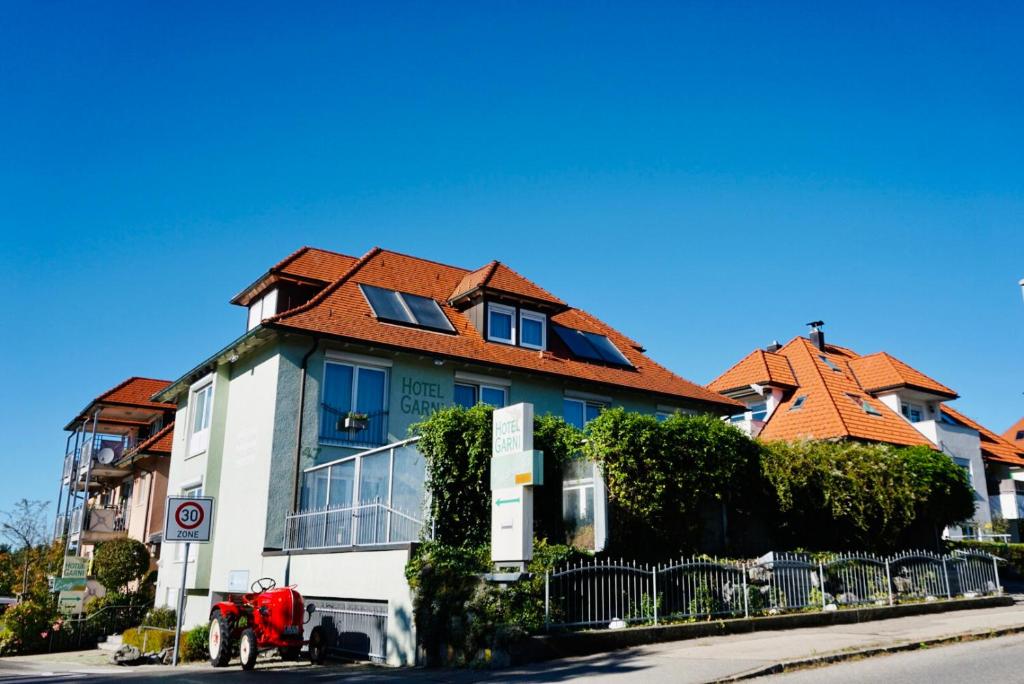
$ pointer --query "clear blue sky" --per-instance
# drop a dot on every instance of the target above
(704, 177)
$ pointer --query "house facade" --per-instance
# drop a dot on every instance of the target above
(116, 462)
(811, 389)
(300, 427)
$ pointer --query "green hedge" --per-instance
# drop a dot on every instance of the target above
(1013, 554)
(149, 640)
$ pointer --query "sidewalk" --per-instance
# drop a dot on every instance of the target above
(695, 661)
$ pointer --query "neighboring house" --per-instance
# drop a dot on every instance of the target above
(810, 389)
(1016, 433)
(114, 478)
(300, 427)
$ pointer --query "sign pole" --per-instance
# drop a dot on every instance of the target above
(181, 607)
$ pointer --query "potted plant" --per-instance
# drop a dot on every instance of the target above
(355, 422)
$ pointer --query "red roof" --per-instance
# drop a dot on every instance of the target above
(135, 392)
(341, 310)
(1016, 433)
(993, 447)
(305, 265)
(756, 368)
(499, 278)
(880, 371)
(160, 443)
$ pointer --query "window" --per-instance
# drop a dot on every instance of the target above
(759, 411)
(202, 409)
(965, 465)
(830, 363)
(264, 307)
(501, 323)
(1020, 435)
(580, 482)
(533, 330)
(798, 403)
(579, 412)
(351, 391)
(591, 346)
(469, 395)
(912, 412)
(409, 309)
(864, 404)
(662, 416)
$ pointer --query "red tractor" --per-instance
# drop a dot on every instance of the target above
(266, 618)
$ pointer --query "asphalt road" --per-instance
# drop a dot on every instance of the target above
(977, 662)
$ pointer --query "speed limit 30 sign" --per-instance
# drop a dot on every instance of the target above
(188, 520)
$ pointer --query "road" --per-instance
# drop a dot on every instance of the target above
(988, 660)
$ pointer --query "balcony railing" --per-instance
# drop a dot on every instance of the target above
(103, 519)
(367, 525)
(343, 428)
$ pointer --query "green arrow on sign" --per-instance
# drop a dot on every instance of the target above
(499, 502)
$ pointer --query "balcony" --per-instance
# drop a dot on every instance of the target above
(99, 524)
(344, 428)
(368, 525)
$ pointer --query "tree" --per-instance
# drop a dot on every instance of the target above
(119, 562)
(25, 526)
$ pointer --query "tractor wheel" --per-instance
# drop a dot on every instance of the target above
(247, 649)
(317, 647)
(220, 639)
(289, 652)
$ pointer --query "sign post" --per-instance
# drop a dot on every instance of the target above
(188, 521)
(515, 469)
(71, 585)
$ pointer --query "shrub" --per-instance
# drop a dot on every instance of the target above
(195, 643)
(165, 618)
(1013, 554)
(27, 627)
(120, 562)
(148, 640)
(113, 613)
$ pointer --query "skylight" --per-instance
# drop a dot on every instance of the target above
(830, 363)
(402, 307)
(798, 403)
(865, 405)
(591, 346)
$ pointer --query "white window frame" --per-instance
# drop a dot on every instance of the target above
(384, 368)
(911, 406)
(479, 388)
(258, 309)
(199, 441)
(538, 318)
(509, 311)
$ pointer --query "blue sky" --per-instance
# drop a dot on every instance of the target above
(705, 176)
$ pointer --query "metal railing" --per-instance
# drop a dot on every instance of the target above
(366, 525)
(370, 433)
(602, 593)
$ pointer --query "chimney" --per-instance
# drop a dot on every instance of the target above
(773, 347)
(817, 336)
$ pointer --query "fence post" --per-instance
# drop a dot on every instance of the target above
(995, 567)
(821, 583)
(888, 581)
(547, 600)
(945, 573)
(654, 580)
(746, 606)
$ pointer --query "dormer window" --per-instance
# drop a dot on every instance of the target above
(264, 307)
(501, 323)
(912, 412)
(533, 330)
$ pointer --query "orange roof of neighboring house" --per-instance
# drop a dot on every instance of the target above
(880, 371)
(135, 392)
(160, 443)
(993, 447)
(833, 403)
(306, 264)
(1016, 433)
(756, 368)
(497, 277)
(341, 310)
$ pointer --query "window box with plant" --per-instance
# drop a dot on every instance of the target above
(354, 422)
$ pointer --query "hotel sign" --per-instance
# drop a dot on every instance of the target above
(515, 469)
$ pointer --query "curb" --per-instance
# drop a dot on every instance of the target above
(833, 658)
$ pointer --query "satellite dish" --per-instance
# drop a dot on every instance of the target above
(106, 456)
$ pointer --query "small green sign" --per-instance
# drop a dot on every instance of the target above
(501, 502)
(68, 584)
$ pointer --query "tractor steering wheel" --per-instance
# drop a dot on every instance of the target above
(263, 584)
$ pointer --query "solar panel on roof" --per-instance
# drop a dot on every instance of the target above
(427, 313)
(591, 346)
(402, 307)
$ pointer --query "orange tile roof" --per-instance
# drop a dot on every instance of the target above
(497, 277)
(993, 447)
(306, 264)
(881, 371)
(135, 391)
(756, 368)
(160, 443)
(341, 310)
(1016, 433)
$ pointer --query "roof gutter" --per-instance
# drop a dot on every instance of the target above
(299, 422)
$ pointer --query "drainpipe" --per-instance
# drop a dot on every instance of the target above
(298, 447)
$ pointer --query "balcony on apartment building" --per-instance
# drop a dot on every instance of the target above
(99, 523)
